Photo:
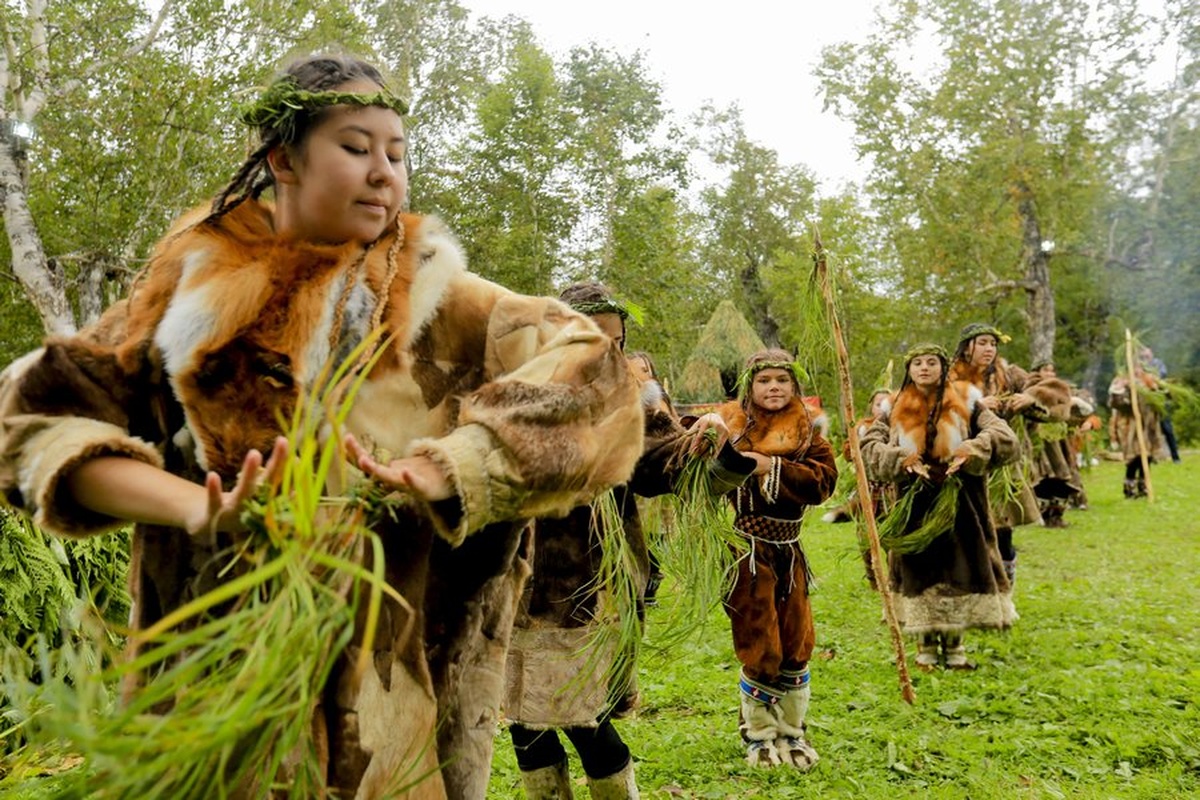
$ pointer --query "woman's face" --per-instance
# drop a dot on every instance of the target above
(925, 370)
(346, 181)
(612, 326)
(772, 388)
(983, 350)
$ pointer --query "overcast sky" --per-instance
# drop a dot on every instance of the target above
(756, 53)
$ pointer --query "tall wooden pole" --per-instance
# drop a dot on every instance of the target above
(865, 501)
(1137, 415)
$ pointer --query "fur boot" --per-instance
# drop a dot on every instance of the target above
(1053, 515)
(791, 744)
(619, 786)
(955, 652)
(1130, 488)
(548, 783)
(927, 652)
(759, 723)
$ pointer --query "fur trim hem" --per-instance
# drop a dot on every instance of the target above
(936, 611)
(63, 448)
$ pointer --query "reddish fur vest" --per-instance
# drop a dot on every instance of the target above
(909, 417)
(780, 433)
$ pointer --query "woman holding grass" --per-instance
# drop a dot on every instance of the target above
(936, 442)
(977, 360)
(483, 408)
(768, 607)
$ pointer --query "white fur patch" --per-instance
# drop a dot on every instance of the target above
(355, 318)
(652, 394)
(974, 395)
(189, 320)
(439, 261)
(18, 367)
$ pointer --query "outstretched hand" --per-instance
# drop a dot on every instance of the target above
(955, 465)
(915, 466)
(222, 510)
(416, 475)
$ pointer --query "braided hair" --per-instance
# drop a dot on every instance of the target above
(314, 73)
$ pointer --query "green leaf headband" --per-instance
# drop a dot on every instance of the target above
(610, 305)
(747, 376)
(979, 329)
(279, 106)
(926, 350)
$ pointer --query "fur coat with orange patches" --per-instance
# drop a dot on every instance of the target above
(526, 406)
(964, 428)
(958, 581)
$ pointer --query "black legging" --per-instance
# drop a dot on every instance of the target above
(1004, 543)
(600, 749)
(1133, 468)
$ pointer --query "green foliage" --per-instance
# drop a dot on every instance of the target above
(1090, 695)
(50, 587)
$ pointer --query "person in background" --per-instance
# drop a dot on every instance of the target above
(935, 430)
(769, 609)
(555, 679)
(977, 361)
(1155, 366)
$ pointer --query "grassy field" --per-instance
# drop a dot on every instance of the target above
(1093, 694)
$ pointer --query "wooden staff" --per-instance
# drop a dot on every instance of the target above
(865, 502)
(1137, 416)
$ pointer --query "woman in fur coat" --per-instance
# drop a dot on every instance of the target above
(1123, 427)
(485, 408)
(935, 429)
(554, 680)
(768, 607)
(978, 362)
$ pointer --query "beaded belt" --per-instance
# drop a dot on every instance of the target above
(768, 529)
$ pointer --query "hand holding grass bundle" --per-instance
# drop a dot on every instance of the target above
(223, 511)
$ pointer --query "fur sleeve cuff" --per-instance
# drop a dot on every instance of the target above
(54, 453)
(472, 462)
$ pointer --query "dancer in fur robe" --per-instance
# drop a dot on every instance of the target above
(768, 608)
(936, 429)
(1123, 428)
(977, 361)
(554, 680)
(1055, 476)
(486, 408)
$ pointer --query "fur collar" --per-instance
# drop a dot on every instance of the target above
(786, 432)
(908, 414)
(242, 318)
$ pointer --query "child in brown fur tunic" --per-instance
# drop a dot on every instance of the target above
(933, 430)
(768, 608)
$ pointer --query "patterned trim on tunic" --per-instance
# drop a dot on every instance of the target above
(768, 529)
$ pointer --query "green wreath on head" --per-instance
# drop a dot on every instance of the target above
(278, 107)
(610, 305)
(747, 376)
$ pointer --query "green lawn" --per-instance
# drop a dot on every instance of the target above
(1093, 694)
